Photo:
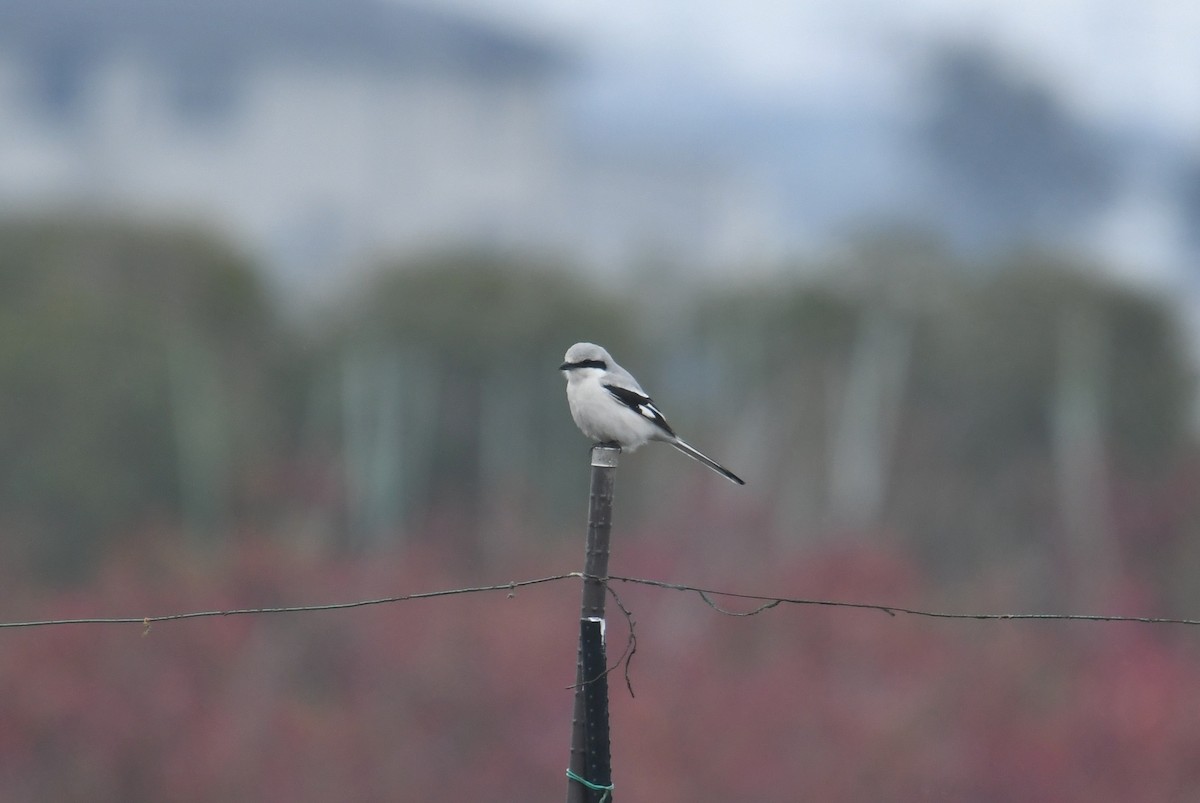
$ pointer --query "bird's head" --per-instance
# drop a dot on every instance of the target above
(584, 358)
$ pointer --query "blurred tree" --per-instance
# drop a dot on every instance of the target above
(989, 392)
(461, 387)
(822, 364)
(131, 362)
(1016, 166)
(975, 413)
(779, 354)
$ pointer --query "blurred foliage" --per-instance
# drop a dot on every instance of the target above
(150, 389)
(393, 702)
(996, 355)
(965, 440)
(473, 344)
(147, 378)
(979, 440)
(474, 312)
(91, 315)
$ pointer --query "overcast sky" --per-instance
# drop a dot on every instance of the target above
(1116, 60)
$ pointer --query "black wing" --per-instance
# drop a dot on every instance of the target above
(642, 405)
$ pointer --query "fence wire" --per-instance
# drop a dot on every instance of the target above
(762, 602)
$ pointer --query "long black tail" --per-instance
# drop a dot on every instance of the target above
(696, 454)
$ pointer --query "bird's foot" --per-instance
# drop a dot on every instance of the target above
(607, 445)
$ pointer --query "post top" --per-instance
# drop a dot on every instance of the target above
(605, 456)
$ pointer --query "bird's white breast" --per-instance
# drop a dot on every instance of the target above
(602, 418)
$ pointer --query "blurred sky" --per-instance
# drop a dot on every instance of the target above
(721, 140)
(1116, 61)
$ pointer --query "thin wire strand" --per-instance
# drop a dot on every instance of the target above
(146, 621)
(707, 595)
(768, 602)
(630, 645)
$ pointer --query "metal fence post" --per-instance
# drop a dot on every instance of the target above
(590, 757)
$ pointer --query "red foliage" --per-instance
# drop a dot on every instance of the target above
(464, 698)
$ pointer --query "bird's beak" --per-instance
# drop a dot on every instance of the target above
(566, 366)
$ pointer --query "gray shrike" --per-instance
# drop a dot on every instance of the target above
(610, 406)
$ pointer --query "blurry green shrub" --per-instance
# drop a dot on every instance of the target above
(459, 352)
(104, 329)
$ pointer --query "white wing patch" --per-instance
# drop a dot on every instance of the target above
(641, 405)
(650, 411)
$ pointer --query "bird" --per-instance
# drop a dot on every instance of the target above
(610, 407)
